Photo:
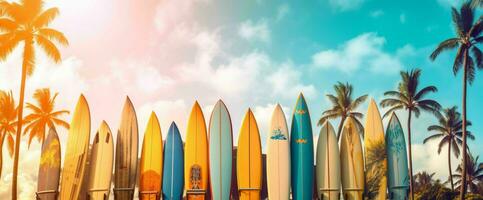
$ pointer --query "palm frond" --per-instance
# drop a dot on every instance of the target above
(433, 137)
(391, 102)
(477, 54)
(443, 46)
(49, 48)
(425, 91)
(391, 110)
(46, 17)
(437, 128)
(358, 101)
(54, 35)
(7, 25)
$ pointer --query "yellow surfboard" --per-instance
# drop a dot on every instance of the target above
(76, 153)
(352, 164)
(249, 159)
(375, 154)
(151, 165)
(196, 156)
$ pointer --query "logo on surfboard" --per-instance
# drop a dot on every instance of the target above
(277, 135)
(301, 141)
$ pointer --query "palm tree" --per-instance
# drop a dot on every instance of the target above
(27, 23)
(474, 174)
(423, 180)
(343, 106)
(43, 115)
(448, 132)
(468, 32)
(8, 115)
(408, 97)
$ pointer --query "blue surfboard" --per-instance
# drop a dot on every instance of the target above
(220, 152)
(302, 152)
(397, 162)
(173, 171)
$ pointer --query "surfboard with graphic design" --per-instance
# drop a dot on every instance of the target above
(302, 152)
(151, 164)
(328, 164)
(196, 156)
(249, 159)
(126, 160)
(49, 167)
(375, 154)
(76, 152)
(397, 161)
(173, 165)
(220, 152)
(351, 161)
(101, 162)
(278, 156)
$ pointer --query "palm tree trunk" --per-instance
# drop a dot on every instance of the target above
(27, 48)
(449, 167)
(411, 181)
(463, 177)
(339, 130)
(2, 138)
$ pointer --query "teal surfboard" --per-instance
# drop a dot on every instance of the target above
(173, 173)
(302, 152)
(220, 152)
(397, 163)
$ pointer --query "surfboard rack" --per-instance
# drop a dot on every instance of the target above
(55, 192)
(195, 192)
(117, 190)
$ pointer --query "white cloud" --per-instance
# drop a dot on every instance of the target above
(426, 158)
(345, 5)
(286, 82)
(137, 76)
(376, 13)
(363, 51)
(254, 31)
(282, 11)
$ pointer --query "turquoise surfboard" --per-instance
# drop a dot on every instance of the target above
(220, 152)
(397, 163)
(302, 152)
(173, 173)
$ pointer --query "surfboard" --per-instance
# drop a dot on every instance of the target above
(302, 152)
(196, 156)
(49, 167)
(220, 152)
(375, 154)
(126, 154)
(151, 165)
(278, 157)
(249, 159)
(173, 171)
(76, 151)
(101, 162)
(328, 164)
(397, 161)
(351, 161)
